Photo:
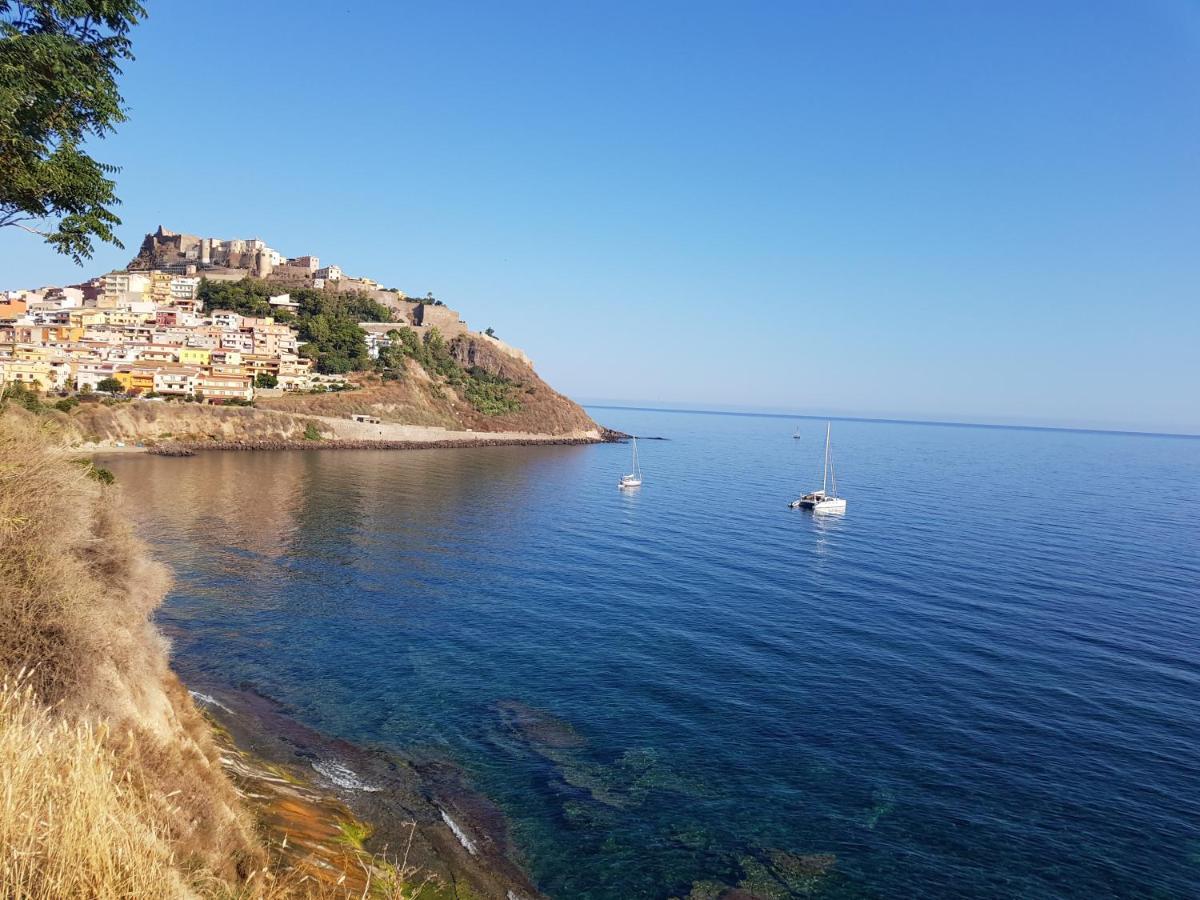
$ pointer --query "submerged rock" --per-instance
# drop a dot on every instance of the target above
(537, 727)
(693, 837)
(801, 873)
(884, 803)
(760, 881)
(707, 890)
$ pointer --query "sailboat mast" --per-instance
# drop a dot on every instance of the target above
(825, 473)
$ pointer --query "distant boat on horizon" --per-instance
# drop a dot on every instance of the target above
(821, 501)
(634, 478)
(796, 432)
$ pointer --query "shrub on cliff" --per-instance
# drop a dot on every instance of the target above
(19, 395)
(492, 395)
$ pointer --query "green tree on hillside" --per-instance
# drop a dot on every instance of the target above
(327, 321)
(110, 386)
(248, 297)
(59, 61)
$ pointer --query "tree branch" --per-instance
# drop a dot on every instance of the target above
(44, 234)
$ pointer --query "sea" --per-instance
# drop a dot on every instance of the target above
(982, 680)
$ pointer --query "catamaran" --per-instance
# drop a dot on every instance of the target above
(821, 501)
(634, 478)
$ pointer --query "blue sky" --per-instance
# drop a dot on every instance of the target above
(943, 209)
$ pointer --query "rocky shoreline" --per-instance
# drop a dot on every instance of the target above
(338, 810)
(191, 448)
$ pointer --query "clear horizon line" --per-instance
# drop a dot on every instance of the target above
(894, 421)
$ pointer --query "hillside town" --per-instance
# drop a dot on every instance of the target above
(145, 332)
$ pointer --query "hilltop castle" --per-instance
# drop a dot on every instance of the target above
(170, 251)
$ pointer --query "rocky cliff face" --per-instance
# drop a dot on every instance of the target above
(543, 409)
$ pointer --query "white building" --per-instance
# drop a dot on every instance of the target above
(284, 301)
(178, 380)
(89, 375)
(223, 318)
(184, 288)
(124, 287)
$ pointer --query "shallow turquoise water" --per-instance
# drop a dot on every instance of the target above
(984, 680)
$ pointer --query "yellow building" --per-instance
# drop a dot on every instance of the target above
(139, 380)
(125, 317)
(194, 356)
(85, 317)
(160, 287)
(258, 364)
(31, 353)
(36, 374)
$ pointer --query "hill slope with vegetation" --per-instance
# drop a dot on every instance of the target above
(459, 382)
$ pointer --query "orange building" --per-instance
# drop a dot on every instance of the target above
(11, 309)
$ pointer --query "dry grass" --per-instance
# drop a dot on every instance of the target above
(110, 783)
(76, 822)
(69, 825)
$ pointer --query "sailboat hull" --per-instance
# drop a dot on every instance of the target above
(820, 504)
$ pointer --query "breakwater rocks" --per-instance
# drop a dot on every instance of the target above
(190, 449)
(174, 450)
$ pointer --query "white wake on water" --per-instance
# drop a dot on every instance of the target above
(459, 833)
(209, 700)
(342, 776)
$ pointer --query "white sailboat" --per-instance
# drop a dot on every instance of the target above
(822, 501)
(634, 478)
(796, 433)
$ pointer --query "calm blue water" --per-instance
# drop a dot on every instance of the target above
(983, 681)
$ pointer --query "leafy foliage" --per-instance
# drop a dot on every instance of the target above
(110, 386)
(20, 395)
(59, 60)
(490, 394)
(326, 320)
(101, 474)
